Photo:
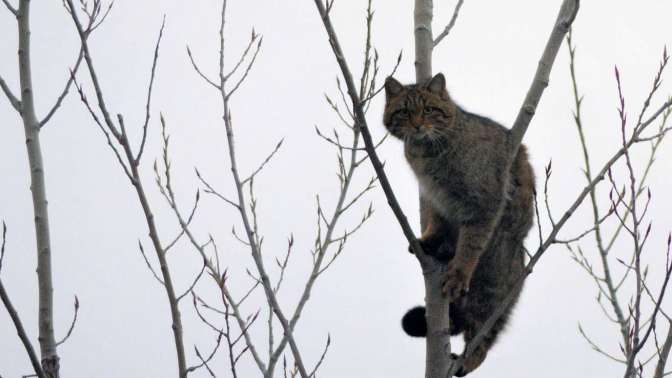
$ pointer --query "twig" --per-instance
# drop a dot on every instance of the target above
(263, 164)
(149, 265)
(198, 70)
(149, 91)
(253, 38)
(4, 241)
(597, 348)
(247, 70)
(65, 91)
(205, 361)
(72, 325)
(193, 284)
(324, 353)
(16, 104)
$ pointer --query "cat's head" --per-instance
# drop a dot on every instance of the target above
(418, 112)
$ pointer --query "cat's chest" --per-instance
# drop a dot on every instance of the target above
(436, 178)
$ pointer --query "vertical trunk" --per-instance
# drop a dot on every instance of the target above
(49, 355)
(424, 43)
(438, 362)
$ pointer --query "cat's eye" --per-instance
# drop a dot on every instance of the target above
(402, 113)
(428, 110)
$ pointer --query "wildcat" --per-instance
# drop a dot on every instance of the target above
(478, 212)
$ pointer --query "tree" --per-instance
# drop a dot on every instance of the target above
(24, 105)
(439, 362)
(231, 303)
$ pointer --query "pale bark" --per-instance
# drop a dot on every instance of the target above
(566, 17)
(131, 163)
(437, 309)
(48, 350)
(424, 40)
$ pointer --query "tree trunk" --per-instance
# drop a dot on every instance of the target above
(49, 355)
(438, 361)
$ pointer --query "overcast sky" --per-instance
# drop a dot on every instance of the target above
(489, 59)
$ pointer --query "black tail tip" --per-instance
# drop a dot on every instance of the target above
(414, 322)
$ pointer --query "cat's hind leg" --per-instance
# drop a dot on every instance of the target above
(476, 358)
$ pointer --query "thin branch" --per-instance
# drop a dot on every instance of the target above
(102, 128)
(198, 70)
(65, 91)
(210, 190)
(149, 92)
(253, 38)
(149, 265)
(18, 325)
(263, 164)
(450, 25)
(9, 6)
(205, 361)
(16, 104)
(193, 284)
(361, 123)
(566, 16)
(664, 353)
(4, 241)
(324, 353)
(247, 70)
(83, 34)
(72, 325)
(34, 360)
(597, 348)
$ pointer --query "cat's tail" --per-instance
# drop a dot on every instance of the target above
(414, 322)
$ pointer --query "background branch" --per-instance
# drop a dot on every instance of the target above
(450, 25)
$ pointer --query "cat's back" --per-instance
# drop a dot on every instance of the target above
(482, 132)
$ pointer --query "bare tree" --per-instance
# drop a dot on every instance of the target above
(24, 105)
(626, 217)
(229, 315)
(439, 361)
(330, 239)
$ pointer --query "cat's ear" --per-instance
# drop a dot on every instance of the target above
(393, 88)
(437, 85)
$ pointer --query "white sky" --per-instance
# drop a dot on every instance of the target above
(489, 59)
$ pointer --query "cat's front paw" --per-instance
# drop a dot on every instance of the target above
(455, 282)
